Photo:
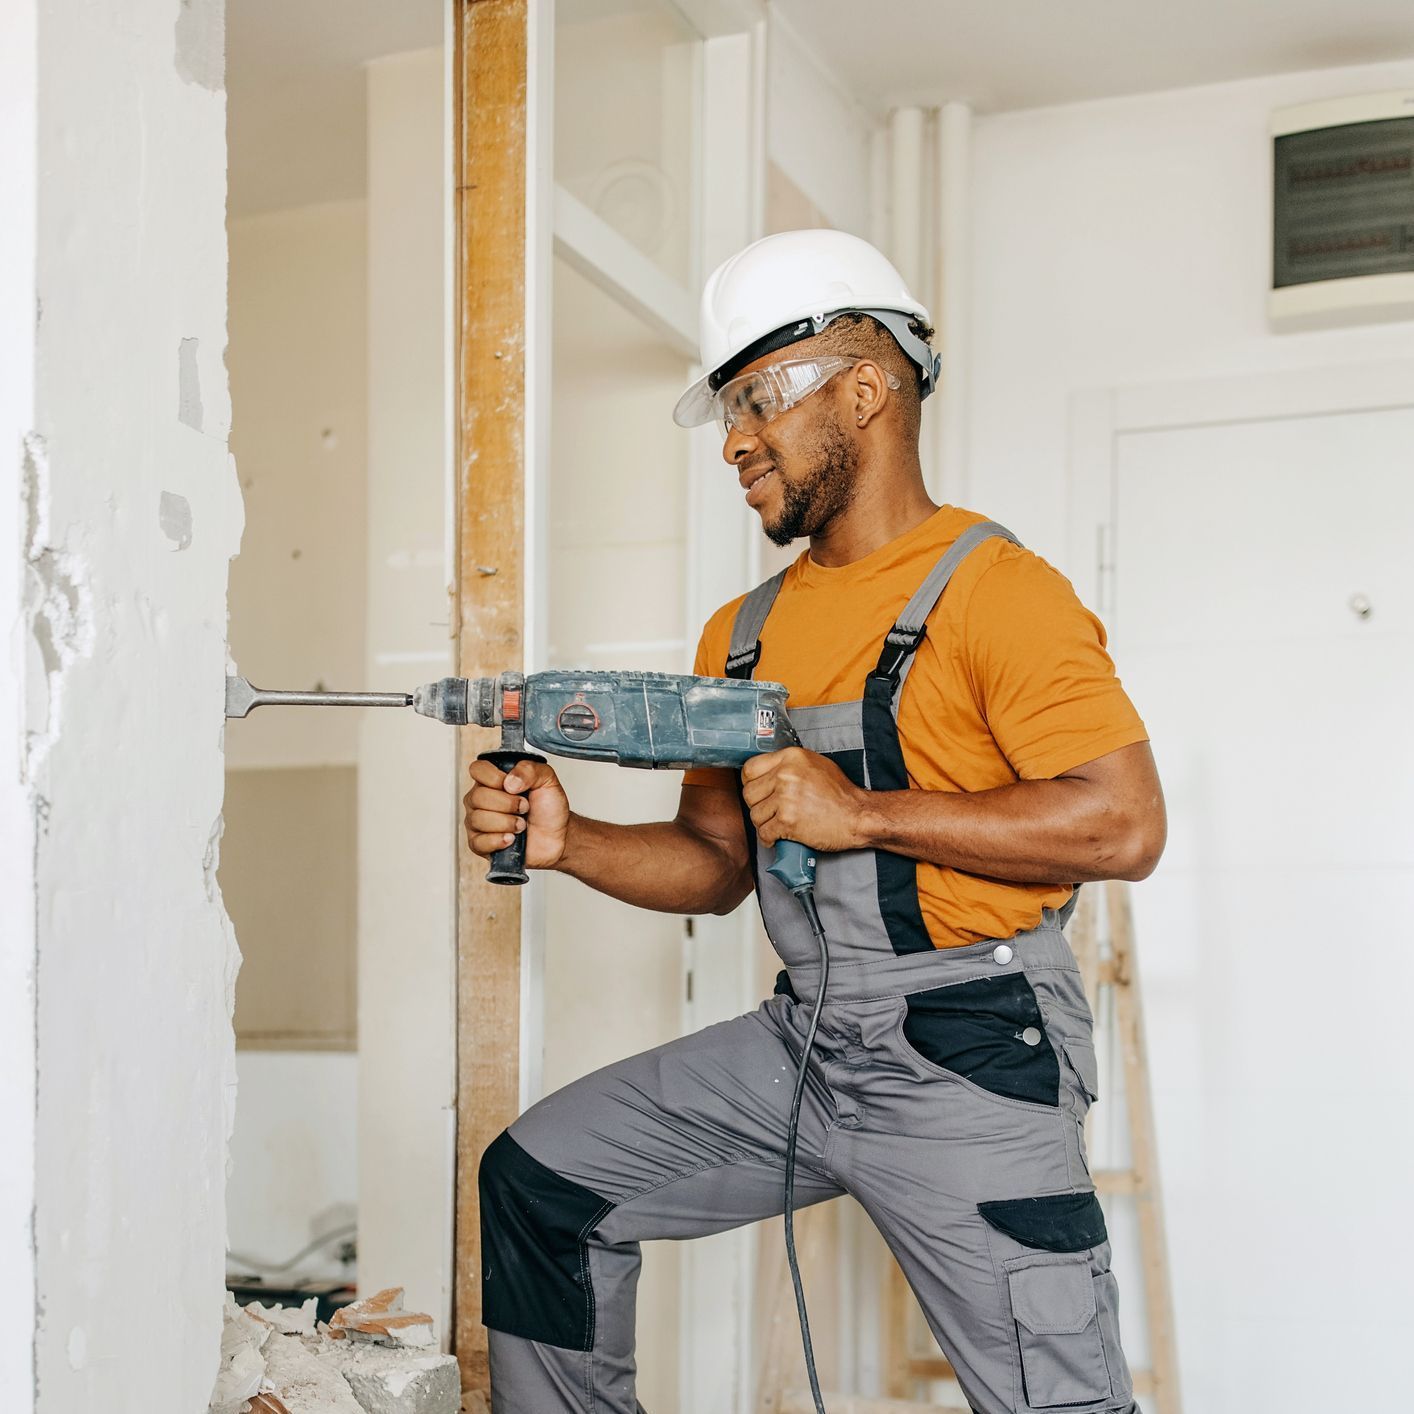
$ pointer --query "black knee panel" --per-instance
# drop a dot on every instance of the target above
(534, 1266)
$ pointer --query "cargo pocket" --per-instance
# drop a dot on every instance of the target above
(1080, 1056)
(990, 1032)
(1053, 1302)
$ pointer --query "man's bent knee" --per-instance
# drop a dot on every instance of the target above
(535, 1225)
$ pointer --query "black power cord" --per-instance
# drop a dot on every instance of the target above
(806, 899)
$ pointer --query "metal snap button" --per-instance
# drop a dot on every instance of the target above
(1002, 955)
(1031, 1036)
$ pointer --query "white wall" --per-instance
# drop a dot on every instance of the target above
(134, 512)
(1126, 242)
(407, 773)
(18, 827)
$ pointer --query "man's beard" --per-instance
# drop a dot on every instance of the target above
(826, 491)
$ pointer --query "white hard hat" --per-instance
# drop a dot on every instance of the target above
(788, 287)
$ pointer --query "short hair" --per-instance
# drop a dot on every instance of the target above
(860, 335)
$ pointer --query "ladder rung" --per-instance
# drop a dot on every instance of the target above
(930, 1367)
(798, 1401)
(1119, 1181)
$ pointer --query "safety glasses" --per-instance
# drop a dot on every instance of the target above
(750, 400)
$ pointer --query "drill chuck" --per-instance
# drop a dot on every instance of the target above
(458, 702)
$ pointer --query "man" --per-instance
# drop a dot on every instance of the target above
(968, 755)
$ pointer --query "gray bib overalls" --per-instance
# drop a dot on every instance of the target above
(946, 1093)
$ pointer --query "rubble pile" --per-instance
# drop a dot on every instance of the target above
(372, 1358)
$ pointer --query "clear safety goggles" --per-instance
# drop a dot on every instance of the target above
(750, 400)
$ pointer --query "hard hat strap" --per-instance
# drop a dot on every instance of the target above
(894, 320)
(780, 338)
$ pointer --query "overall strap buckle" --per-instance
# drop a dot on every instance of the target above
(743, 665)
(900, 644)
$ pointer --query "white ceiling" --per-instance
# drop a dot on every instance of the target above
(295, 67)
(295, 91)
(1002, 54)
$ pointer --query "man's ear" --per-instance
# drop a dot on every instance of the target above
(870, 387)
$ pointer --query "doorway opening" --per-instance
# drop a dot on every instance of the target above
(337, 862)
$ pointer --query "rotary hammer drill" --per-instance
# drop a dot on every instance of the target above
(653, 721)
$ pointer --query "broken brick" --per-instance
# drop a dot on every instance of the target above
(380, 1318)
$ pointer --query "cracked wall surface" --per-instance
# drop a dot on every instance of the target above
(19, 810)
(127, 515)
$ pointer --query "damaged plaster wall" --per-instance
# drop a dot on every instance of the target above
(132, 515)
(18, 196)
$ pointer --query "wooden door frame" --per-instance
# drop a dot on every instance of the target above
(496, 88)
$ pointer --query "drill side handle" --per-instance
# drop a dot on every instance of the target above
(508, 865)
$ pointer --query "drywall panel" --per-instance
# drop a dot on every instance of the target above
(299, 373)
(407, 812)
(19, 191)
(134, 513)
(1127, 242)
(289, 863)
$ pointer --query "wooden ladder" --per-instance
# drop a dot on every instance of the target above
(1106, 955)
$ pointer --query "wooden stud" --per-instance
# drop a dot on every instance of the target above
(489, 122)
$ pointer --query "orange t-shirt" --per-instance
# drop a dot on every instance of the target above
(1012, 682)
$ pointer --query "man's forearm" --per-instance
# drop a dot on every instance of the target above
(1032, 832)
(667, 866)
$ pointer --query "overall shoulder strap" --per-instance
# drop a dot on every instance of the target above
(911, 627)
(744, 651)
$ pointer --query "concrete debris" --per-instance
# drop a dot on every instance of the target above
(242, 1368)
(303, 1382)
(370, 1359)
(288, 1320)
(389, 1381)
(382, 1320)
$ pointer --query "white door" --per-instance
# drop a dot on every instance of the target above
(1263, 620)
